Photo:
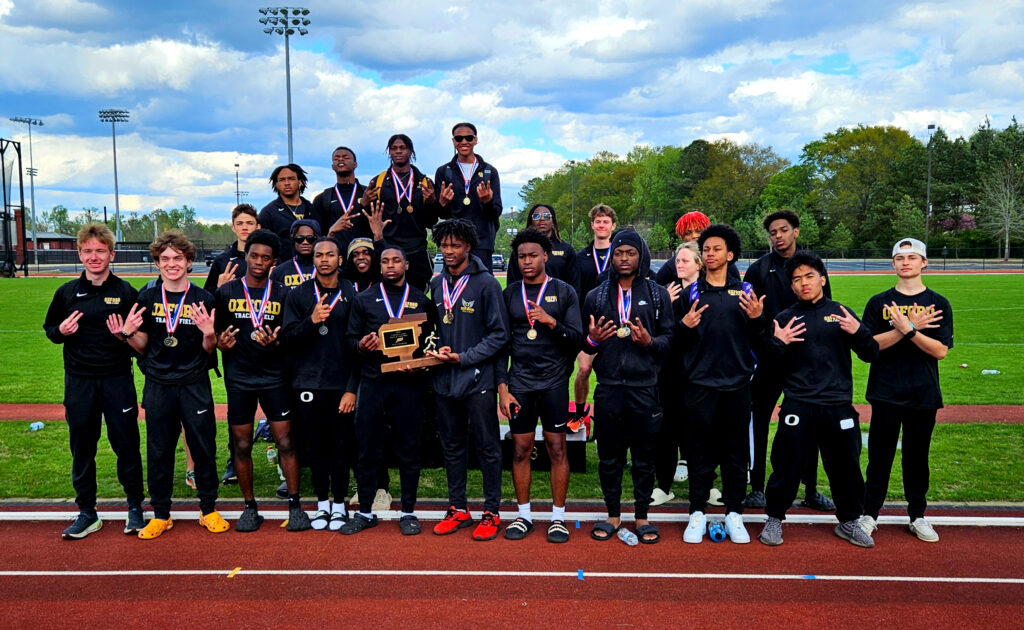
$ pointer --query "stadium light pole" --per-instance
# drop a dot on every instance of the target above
(114, 116)
(928, 193)
(286, 21)
(31, 181)
(237, 197)
(572, 200)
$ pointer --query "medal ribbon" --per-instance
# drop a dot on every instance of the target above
(171, 323)
(312, 274)
(468, 179)
(351, 200)
(402, 190)
(254, 315)
(540, 295)
(330, 307)
(387, 304)
(450, 297)
(601, 266)
(625, 305)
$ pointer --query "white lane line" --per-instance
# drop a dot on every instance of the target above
(579, 574)
(570, 517)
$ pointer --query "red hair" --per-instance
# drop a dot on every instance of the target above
(691, 221)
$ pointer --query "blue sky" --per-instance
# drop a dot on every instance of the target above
(545, 83)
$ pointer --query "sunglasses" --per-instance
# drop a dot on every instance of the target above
(541, 216)
(307, 239)
(463, 138)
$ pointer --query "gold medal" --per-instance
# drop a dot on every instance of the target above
(531, 334)
(170, 341)
(622, 333)
(465, 201)
(448, 317)
(408, 208)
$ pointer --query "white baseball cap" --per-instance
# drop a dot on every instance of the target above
(915, 247)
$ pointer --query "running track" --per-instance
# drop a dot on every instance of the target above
(974, 576)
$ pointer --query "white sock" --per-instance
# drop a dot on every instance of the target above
(404, 514)
(367, 515)
(339, 506)
(524, 511)
(323, 505)
(557, 513)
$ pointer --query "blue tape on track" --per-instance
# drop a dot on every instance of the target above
(579, 574)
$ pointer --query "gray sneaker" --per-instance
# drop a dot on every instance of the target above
(135, 521)
(771, 534)
(298, 520)
(853, 532)
(249, 521)
(868, 524)
(923, 530)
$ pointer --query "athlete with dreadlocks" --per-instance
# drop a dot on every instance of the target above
(289, 182)
(562, 259)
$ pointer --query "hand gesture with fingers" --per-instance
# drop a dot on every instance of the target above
(751, 304)
(674, 291)
(375, 217)
(601, 330)
(447, 194)
(202, 319)
(539, 315)
(848, 323)
(484, 192)
(115, 324)
(133, 321)
(267, 335)
(322, 311)
(790, 332)
(927, 318)
(226, 340)
(369, 196)
(228, 275)
(70, 325)
(343, 223)
(692, 317)
(638, 333)
(428, 191)
(445, 354)
(898, 319)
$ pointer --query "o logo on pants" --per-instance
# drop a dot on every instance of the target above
(792, 420)
(306, 397)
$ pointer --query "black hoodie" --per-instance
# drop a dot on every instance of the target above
(231, 254)
(561, 261)
(293, 271)
(278, 217)
(483, 216)
(621, 361)
(478, 333)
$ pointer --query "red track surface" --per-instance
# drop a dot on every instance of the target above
(521, 601)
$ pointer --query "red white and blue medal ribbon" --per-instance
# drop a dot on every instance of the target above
(598, 265)
(330, 307)
(625, 308)
(401, 190)
(171, 322)
(345, 207)
(387, 304)
(450, 297)
(256, 315)
(298, 269)
(532, 333)
(467, 179)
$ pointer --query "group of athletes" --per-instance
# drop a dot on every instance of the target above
(689, 360)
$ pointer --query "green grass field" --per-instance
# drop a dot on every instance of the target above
(970, 462)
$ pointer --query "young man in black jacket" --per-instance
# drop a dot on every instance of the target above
(172, 325)
(289, 182)
(291, 272)
(230, 263)
(473, 331)
(98, 383)
(546, 334)
(721, 323)
(250, 312)
(323, 381)
(630, 330)
(410, 207)
(395, 399)
(767, 275)
(469, 188)
(913, 326)
(339, 208)
(562, 260)
(814, 339)
(593, 263)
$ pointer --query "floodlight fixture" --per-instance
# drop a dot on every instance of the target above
(286, 26)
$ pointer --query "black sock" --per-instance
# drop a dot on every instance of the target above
(252, 504)
(294, 501)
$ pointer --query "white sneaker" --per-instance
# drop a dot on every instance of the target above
(696, 528)
(923, 530)
(681, 471)
(868, 524)
(734, 527)
(658, 497)
(382, 500)
(715, 497)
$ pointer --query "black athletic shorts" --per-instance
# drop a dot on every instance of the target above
(242, 405)
(551, 405)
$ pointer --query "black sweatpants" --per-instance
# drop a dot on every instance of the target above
(765, 390)
(398, 403)
(326, 441)
(717, 431)
(671, 442)
(883, 433)
(456, 419)
(804, 429)
(628, 419)
(421, 269)
(169, 409)
(87, 402)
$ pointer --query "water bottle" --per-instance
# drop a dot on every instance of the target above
(272, 455)
(716, 531)
(990, 371)
(628, 537)
(35, 426)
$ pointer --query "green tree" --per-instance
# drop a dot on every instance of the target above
(907, 220)
(840, 238)
(658, 238)
(58, 220)
(736, 177)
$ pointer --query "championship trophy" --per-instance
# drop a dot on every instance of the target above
(400, 338)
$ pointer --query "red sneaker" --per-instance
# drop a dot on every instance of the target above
(453, 520)
(578, 418)
(488, 527)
